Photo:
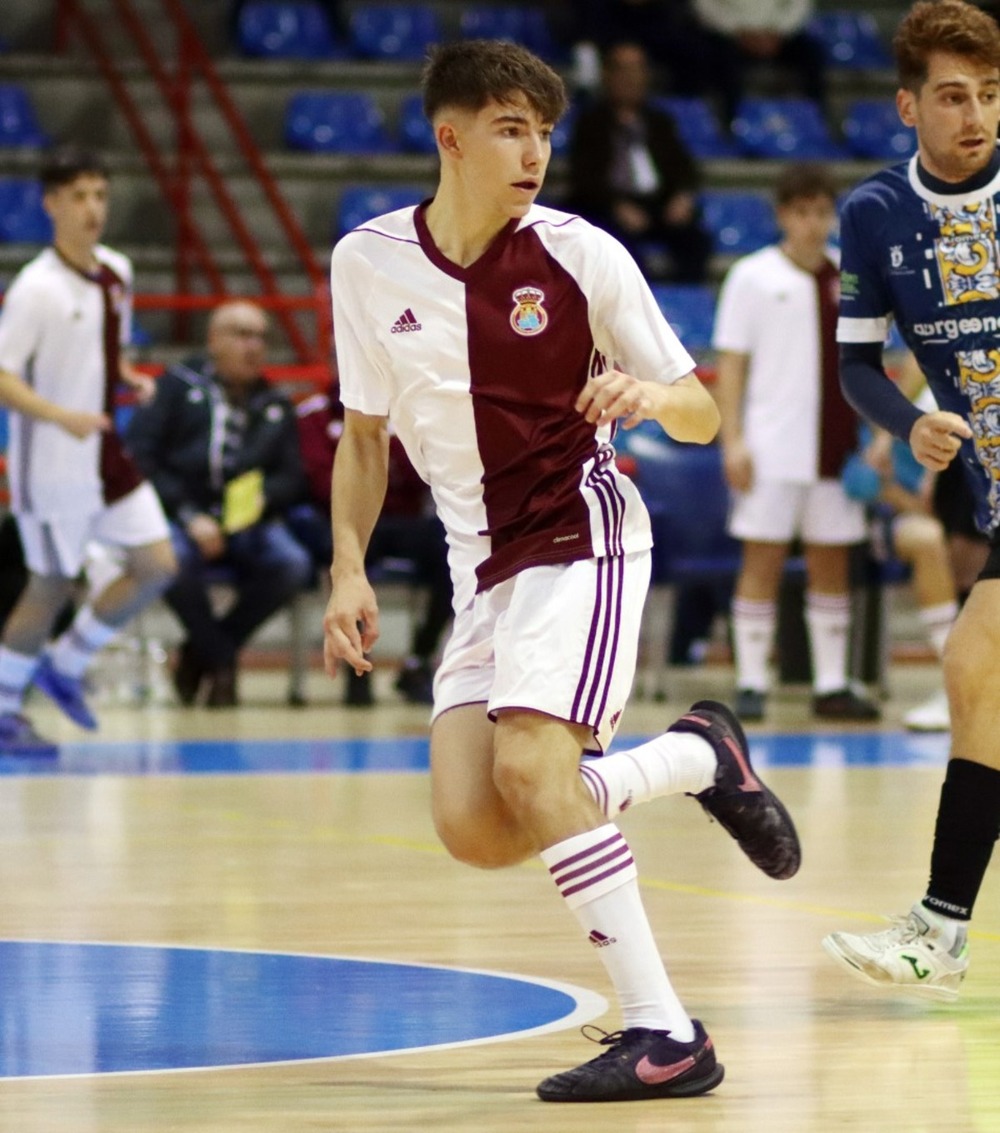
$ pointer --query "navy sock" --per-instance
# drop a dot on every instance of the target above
(968, 822)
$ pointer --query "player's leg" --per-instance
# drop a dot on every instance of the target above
(135, 524)
(831, 524)
(765, 519)
(927, 950)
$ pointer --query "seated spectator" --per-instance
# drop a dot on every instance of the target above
(220, 446)
(407, 528)
(886, 476)
(740, 34)
(631, 174)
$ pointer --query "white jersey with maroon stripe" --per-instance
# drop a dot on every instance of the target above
(479, 369)
(54, 334)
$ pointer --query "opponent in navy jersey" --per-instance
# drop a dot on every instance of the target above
(920, 245)
(64, 318)
(506, 341)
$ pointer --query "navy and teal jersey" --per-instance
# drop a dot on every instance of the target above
(926, 254)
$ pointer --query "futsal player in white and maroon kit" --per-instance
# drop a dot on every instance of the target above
(64, 319)
(920, 246)
(786, 432)
(506, 341)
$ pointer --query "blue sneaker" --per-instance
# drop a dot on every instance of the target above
(18, 737)
(66, 691)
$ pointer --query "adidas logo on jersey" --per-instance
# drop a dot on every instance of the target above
(406, 322)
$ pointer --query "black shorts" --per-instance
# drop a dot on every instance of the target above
(991, 569)
(954, 503)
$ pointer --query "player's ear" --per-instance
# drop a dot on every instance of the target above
(447, 138)
(905, 106)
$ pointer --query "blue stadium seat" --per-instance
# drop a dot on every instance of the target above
(690, 310)
(274, 30)
(850, 40)
(393, 31)
(787, 128)
(697, 125)
(359, 203)
(739, 221)
(18, 124)
(872, 129)
(335, 122)
(416, 135)
(23, 220)
(517, 23)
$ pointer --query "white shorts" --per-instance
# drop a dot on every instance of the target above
(775, 512)
(57, 545)
(555, 639)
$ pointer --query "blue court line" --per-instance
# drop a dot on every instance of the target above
(70, 1009)
(410, 754)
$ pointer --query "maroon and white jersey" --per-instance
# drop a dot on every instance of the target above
(60, 332)
(479, 369)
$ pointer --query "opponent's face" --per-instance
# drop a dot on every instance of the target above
(79, 210)
(807, 224)
(956, 113)
(504, 152)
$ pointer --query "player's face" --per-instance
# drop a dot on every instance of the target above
(956, 113)
(79, 210)
(807, 223)
(506, 150)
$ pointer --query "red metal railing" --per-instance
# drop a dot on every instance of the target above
(192, 156)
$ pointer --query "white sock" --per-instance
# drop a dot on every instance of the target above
(16, 670)
(937, 621)
(754, 624)
(75, 649)
(598, 880)
(948, 930)
(828, 618)
(672, 764)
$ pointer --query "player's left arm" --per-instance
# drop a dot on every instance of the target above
(684, 409)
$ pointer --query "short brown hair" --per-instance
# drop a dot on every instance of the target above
(954, 26)
(63, 165)
(804, 181)
(470, 73)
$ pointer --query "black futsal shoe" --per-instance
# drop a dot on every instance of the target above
(638, 1064)
(739, 801)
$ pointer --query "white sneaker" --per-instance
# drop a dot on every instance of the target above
(911, 955)
(931, 716)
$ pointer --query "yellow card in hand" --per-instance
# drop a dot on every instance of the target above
(243, 501)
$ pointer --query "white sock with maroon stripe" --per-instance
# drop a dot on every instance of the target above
(598, 880)
(754, 622)
(73, 651)
(16, 670)
(828, 618)
(672, 764)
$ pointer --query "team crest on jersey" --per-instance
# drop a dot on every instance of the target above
(117, 295)
(966, 251)
(896, 255)
(529, 316)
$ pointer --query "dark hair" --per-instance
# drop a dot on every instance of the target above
(470, 73)
(63, 165)
(804, 181)
(954, 26)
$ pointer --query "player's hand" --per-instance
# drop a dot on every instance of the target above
(208, 536)
(936, 438)
(81, 425)
(350, 625)
(613, 394)
(737, 466)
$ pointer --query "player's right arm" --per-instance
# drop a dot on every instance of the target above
(360, 475)
(21, 398)
(730, 383)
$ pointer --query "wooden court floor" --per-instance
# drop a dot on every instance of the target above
(348, 864)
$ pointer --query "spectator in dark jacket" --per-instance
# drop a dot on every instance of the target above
(631, 174)
(220, 445)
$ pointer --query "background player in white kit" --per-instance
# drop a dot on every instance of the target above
(64, 318)
(786, 432)
(505, 395)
